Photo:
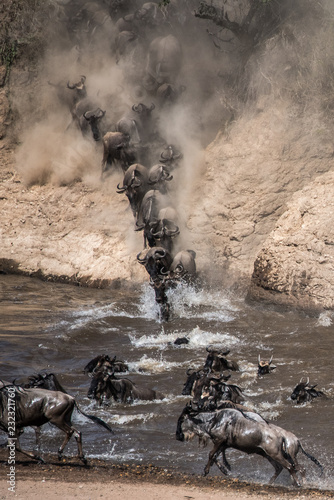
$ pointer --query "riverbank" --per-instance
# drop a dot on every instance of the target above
(100, 479)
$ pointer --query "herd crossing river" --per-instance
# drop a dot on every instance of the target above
(59, 328)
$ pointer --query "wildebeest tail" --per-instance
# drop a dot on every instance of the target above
(312, 458)
(97, 420)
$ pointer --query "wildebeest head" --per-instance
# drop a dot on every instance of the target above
(93, 118)
(158, 176)
(143, 111)
(304, 392)
(170, 156)
(150, 14)
(79, 87)
(264, 367)
(156, 260)
(47, 381)
(135, 185)
(216, 360)
(183, 267)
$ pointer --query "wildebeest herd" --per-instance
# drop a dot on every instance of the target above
(146, 48)
(216, 411)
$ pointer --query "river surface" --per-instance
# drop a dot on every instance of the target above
(59, 328)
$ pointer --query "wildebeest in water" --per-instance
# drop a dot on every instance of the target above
(35, 407)
(245, 431)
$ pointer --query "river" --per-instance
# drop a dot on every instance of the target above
(59, 328)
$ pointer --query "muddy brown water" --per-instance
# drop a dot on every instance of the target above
(59, 328)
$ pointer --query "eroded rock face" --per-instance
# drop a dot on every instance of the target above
(296, 263)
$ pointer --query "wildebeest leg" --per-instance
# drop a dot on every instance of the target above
(69, 432)
(25, 452)
(218, 448)
(286, 463)
(278, 469)
(225, 462)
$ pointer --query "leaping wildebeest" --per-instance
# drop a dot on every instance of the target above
(21, 407)
(244, 431)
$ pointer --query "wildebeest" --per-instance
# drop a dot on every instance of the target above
(122, 390)
(116, 151)
(264, 367)
(151, 204)
(137, 123)
(205, 388)
(89, 123)
(158, 176)
(35, 407)
(168, 94)
(164, 62)
(163, 231)
(170, 156)
(183, 267)
(70, 99)
(103, 363)
(47, 381)
(156, 260)
(217, 362)
(244, 431)
(304, 392)
(135, 185)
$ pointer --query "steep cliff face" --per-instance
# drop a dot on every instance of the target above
(296, 263)
(254, 203)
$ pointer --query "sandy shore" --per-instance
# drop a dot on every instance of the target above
(103, 480)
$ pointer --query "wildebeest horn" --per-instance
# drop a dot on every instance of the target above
(100, 113)
(139, 227)
(138, 107)
(161, 253)
(121, 189)
(271, 359)
(141, 259)
(157, 234)
(190, 371)
(259, 359)
(172, 232)
(305, 380)
(209, 348)
(83, 78)
(70, 86)
(152, 107)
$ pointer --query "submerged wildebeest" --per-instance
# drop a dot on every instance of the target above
(217, 362)
(210, 389)
(103, 363)
(122, 390)
(244, 431)
(264, 367)
(35, 407)
(304, 392)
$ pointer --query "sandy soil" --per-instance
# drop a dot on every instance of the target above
(99, 480)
